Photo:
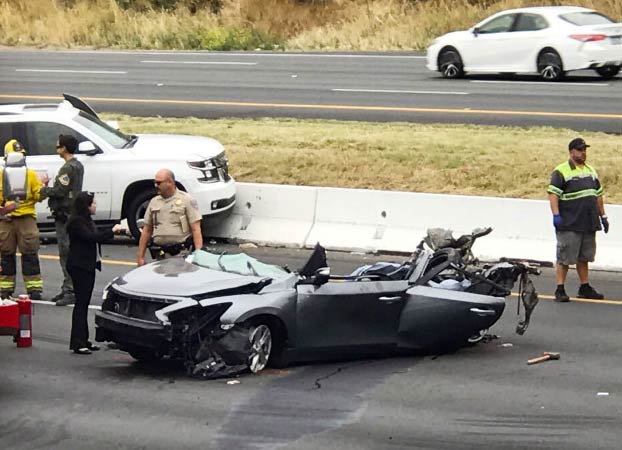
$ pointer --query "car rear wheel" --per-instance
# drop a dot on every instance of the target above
(136, 212)
(550, 66)
(477, 337)
(450, 64)
(608, 72)
(261, 347)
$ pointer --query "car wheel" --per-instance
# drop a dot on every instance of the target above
(144, 355)
(450, 64)
(261, 346)
(136, 212)
(481, 334)
(550, 66)
(608, 72)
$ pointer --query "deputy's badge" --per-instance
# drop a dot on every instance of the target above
(194, 204)
(64, 179)
(178, 202)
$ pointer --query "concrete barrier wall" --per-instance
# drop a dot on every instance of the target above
(371, 220)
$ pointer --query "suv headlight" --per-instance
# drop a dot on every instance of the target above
(206, 164)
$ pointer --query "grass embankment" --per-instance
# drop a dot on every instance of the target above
(457, 159)
(251, 24)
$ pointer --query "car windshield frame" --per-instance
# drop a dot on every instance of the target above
(568, 17)
(481, 29)
(112, 136)
(240, 264)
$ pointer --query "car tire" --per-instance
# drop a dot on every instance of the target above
(136, 211)
(550, 65)
(144, 355)
(608, 72)
(260, 338)
(450, 64)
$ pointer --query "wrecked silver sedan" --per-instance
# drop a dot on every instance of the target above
(222, 314)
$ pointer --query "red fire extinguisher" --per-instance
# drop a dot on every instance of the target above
(24, 338)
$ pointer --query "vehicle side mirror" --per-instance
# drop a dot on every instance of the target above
(321, 276)
(475, 31)
(88, 148)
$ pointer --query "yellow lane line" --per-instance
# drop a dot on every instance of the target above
(327, 107)
(577, 300)
(117, 262)
(114, 262)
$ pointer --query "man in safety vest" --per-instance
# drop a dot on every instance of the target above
(576, 198)
(18, 228)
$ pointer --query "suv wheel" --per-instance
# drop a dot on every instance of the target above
(136, 212)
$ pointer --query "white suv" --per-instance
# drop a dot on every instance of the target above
(117, 167)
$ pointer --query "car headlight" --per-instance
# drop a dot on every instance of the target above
(107, 289)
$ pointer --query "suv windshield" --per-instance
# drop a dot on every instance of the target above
(113, 137)
(241, 264)
(586, 18)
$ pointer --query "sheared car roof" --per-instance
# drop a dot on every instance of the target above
(240, 263)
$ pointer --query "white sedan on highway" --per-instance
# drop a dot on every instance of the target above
(550, 40)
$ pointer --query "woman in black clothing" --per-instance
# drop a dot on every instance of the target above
(83, 259)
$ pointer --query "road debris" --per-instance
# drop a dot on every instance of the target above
(545, 357)
(233, 382)
(248, 245)
(603, 394)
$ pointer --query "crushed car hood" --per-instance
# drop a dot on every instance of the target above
(177, 278)
(190, 148)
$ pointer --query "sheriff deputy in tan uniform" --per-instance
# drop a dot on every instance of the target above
(171, 219)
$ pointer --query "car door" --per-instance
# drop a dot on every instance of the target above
(353, 314)
(530, 35)
(486, 48)
(39, 138)
(435, 317)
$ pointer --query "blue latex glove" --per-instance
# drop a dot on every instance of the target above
(557, 220)
(605, 221)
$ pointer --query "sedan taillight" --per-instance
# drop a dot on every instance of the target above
(589, 37)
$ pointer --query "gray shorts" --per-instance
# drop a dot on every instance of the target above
(573, 246)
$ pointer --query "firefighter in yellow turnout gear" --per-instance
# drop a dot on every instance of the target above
(18, 229)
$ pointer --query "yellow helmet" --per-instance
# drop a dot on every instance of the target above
(14, 146)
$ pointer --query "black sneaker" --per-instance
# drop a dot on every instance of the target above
(35, 295)
(67, 299)
(587, 291)
(57, 297)
(561, 296)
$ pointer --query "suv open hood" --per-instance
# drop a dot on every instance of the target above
(167, 146)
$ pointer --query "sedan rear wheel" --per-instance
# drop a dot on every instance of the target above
(450, 64)
(550, 66)
(261, 347)
(608, 72)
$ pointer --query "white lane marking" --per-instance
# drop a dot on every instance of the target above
(554, 83)
(391, 91)
(251, 54)
(113, 72)
(43, 302)
(230, 63)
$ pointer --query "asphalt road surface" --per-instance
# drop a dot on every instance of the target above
(483, 397)
(361, 86)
